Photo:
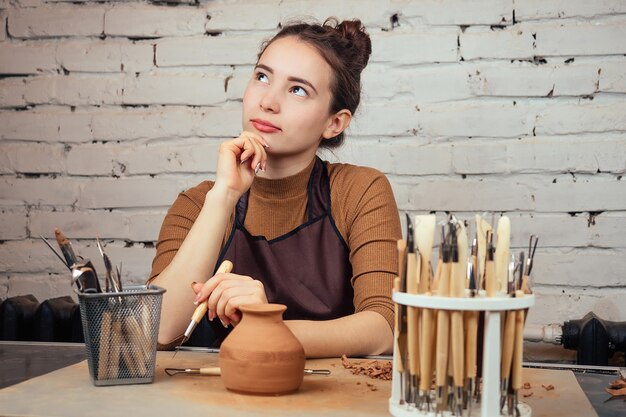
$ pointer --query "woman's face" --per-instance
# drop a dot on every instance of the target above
(287, 100)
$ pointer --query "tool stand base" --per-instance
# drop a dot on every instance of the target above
(407, 410)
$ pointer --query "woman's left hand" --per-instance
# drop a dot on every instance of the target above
(226, 293)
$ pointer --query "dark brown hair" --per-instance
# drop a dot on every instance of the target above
(346, 47)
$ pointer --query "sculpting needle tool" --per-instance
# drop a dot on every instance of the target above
(201, 310)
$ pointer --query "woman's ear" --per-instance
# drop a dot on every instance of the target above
(337, 123)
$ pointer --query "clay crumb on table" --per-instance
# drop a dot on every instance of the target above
(526, 385)
(373, 368)
(548, 387)
(617, 387)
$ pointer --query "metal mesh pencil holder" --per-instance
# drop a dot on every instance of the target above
(121, 331)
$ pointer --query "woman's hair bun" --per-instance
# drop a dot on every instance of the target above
(354, 32)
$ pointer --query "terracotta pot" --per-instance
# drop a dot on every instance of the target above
(261, 355)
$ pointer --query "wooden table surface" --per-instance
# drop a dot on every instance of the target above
(70, 392)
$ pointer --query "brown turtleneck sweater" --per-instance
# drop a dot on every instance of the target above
(362, 206)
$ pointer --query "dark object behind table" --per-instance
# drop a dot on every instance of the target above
(594, 339)
(53, 320)
(16, 317)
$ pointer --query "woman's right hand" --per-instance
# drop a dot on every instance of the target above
(239, 160)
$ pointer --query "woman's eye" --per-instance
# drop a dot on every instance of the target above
(262, 77)
(299, 91)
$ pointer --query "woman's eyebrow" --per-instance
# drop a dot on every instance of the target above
(290, 78)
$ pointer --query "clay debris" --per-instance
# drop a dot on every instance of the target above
(617, 387)
(373, 368)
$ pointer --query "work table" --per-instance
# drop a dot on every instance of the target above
(69, 392)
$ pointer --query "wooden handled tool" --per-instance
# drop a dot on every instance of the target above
(490, 273)
(443, 330)
(424, 238)
(400, 331)
(482, 227)
(518, 351)
(457, 289)
(502, 252)
(412, 268)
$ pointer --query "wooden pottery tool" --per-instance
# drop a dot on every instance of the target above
(457, 289)
(502, 252)
(400, 331)
(412, 281)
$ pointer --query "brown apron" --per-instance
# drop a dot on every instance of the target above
(307, 269)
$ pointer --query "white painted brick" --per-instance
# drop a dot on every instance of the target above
(136, 260)
(12, 92)
(13, 226)
(588, 268)
(93, 159)
(32, 158)
(561, 304)
(238, 81)
(202, 88)
(75, 90)
(389, 118)
(131, 124)
(3, 24)
(146, 20)
(28, 256)
(553, 9)
(595, 195)
(475, 118)
(79, 225)
(222, 122)
(597, 37)
(129, 192)
(110, 55)
(212, 50)
(541, 155)
(514, 42)
(45, 125)
(401, 48)
(525, 79)
(585, 116)
(41, 191)
(433, 12)
(145, 227)
(42, 285)
(57, 20)
(613, 77)
(28, 58)
(231, 15)
(370, 12)
(425, 84)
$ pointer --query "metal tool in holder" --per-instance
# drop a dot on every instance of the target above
(121, 330)
(489, 404)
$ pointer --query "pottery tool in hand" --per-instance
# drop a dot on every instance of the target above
(400, 330)
(202, 308)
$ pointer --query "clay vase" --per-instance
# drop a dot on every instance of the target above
(261, 355)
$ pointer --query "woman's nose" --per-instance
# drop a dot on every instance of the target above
(269, 102)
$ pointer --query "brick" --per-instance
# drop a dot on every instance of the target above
(561, 304)
(146, 20)
(3, 25)
(201, 88)
(387, 118)
(558, 9)
(30, 256)
(543, 155)
(129, 192)
(589, 195)
(513, 42)
(221, 122)
(27, 58)
(32, 158)
(241, 16)
(56, 20)
(478, 118)
(482, 12)
(94, 159)
(40, 191)
(75, 90)
(213, 50)
(131, 124)
(12, 92)
(136, 260)
(613, 77)
(425, 84)
(145, 227)
(45, 125)
(584, 268)
(373, 13)
(401, 48)
(79, 225)
(13, 226)
(599, 37)
(525, 79)
(583, 116)
(237, 82)
(106, 56)
(42, 285)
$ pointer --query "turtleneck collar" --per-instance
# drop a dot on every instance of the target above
(291, 186)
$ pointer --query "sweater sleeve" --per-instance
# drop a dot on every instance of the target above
(371, 229)
(176, 225)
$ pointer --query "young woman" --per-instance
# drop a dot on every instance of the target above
(317, 237)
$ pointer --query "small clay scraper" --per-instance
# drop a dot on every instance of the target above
(201, 310)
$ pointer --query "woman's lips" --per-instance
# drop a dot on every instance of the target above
(264, 126)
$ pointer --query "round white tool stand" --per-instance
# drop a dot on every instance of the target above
(492, 306)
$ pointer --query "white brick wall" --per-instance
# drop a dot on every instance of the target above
(109, 110)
